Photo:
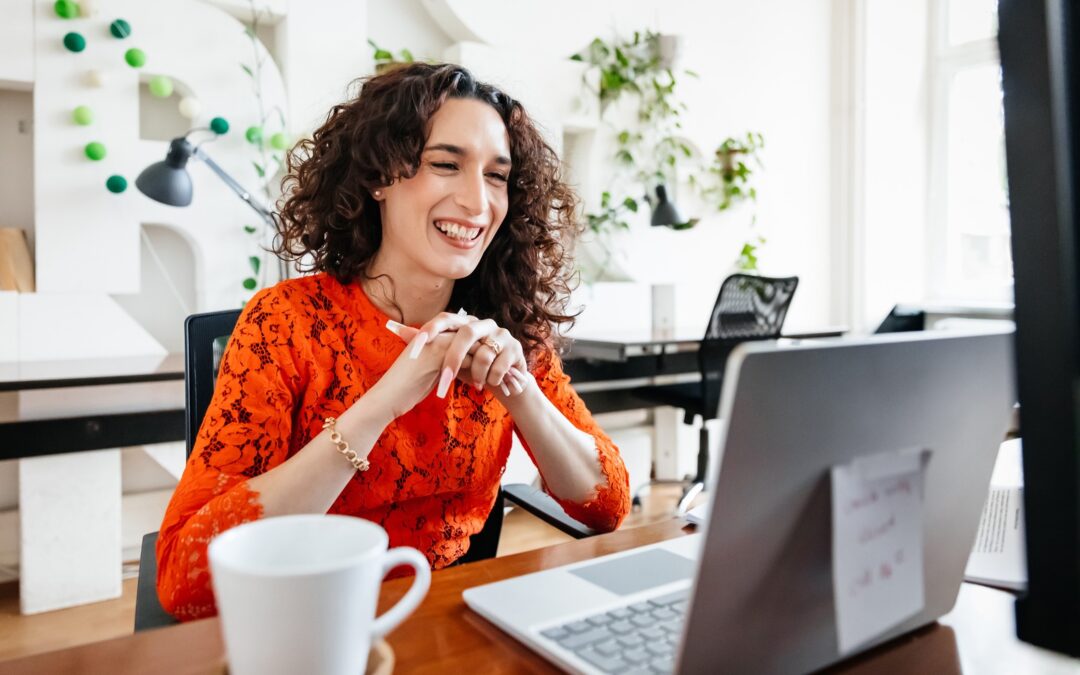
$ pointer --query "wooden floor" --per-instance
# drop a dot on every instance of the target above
(21, 635)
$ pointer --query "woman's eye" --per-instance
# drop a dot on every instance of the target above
(503, 178)
(446, 166)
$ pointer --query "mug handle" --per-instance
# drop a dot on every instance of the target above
(403, 555)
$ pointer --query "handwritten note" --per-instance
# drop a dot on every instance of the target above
(877, 544)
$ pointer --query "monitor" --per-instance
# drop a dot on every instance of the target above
(1038, 41)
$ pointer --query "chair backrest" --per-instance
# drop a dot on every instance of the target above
(747, 308)
(205, 336)
(750, 307)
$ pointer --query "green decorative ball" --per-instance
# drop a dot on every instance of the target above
(136, 58)
(279, 141)
(219, 125)
(161, 86)
(83, 115)
(120, 29)
(250, 284)
(253, 134)
(95, 151)
(75, 42)
(116, 184)
(66, 9)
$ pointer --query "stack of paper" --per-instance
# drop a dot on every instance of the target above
(998, 557)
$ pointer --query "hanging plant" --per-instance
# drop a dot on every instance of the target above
(268, 148)
(385, 59)
(651, 152)
(727, 180)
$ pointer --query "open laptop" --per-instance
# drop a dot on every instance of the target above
(754, 591)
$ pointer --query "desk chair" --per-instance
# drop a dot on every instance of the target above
(747, 308)
(205, 336)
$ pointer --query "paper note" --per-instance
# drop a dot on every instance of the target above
(877, 544)
(998, 557)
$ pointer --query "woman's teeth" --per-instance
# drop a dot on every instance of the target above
(457, 231)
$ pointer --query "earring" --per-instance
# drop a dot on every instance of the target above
(377, 194)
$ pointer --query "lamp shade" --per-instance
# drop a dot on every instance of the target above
(168, 181)
(665, 213)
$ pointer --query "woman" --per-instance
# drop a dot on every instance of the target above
(361, 389)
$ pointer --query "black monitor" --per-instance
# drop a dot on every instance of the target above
(1040, 69)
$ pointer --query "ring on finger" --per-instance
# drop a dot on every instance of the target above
(491, 344)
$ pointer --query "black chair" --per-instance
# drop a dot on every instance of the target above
(747, 308)
(903, 319)
(205, 336)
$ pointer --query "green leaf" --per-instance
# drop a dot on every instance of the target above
(383, 55)
(372, 43)
(247, 70)
(605, 199)
(255, 263)
(406, 56)
(576, 57)
(249, 229)
(631, 204)
(250, 283)
(259, 170)
(624, 137)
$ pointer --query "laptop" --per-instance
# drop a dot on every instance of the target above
(754, 592)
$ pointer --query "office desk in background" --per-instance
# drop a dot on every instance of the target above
(445, 636)
(605, 367)
(70, 504)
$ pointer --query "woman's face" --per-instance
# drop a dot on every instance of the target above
(443, 219)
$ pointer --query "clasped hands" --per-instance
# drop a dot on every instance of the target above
(476, 351)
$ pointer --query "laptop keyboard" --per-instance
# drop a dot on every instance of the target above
(638, 638)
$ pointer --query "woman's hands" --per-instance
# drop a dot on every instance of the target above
(410, 379)
(480, 352)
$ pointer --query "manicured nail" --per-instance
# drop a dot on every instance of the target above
(462, 312)
(505, 389)
(444, 382)
(418, 343)
(517, 385)
(394, 327)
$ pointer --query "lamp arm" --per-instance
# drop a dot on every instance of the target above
(234, 185)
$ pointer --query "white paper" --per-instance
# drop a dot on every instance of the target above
(698, 515)
(877, 544)
(998, 557)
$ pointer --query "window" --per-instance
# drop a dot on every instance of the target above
(969, 250)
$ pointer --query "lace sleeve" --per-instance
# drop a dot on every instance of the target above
(610, 501)
(246, 432)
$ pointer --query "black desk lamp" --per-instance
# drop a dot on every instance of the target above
(665, 213)
(169, 182)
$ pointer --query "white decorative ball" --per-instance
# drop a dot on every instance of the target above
(97, 78)
(89, 8)
(189, 107)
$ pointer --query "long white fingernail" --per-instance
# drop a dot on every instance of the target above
(418, 343)
(394, 327)
(505, 390)
(462, 312)
(517, 385)
(444, 382)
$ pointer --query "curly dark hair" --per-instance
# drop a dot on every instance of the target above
(329, 219)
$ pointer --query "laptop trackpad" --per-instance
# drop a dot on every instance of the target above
(637, 572)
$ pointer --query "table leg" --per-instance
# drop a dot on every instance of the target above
(69, 530)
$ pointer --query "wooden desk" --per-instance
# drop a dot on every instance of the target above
(445, 636)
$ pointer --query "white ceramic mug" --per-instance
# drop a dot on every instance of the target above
(297, 594)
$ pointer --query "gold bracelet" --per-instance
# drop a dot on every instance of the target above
(356, 460)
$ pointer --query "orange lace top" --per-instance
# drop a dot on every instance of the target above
(305, 350)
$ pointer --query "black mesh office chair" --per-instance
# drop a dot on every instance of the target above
(205, 336)
(747, 308)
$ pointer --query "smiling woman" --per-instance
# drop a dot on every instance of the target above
(429, 192)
